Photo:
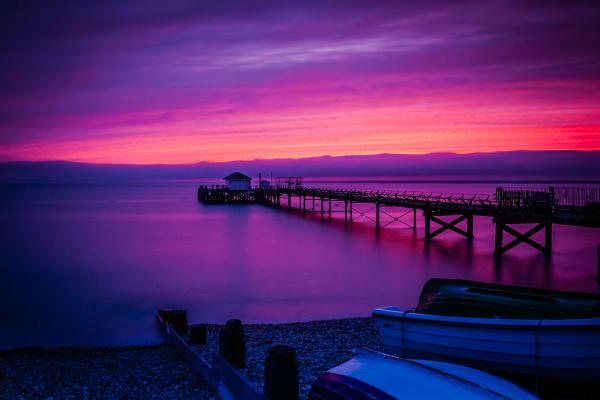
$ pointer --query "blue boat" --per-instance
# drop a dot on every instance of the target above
(377, 376)
(499, 328)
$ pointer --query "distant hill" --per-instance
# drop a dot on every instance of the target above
(518, 165)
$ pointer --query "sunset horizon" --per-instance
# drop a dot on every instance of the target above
(313, 157)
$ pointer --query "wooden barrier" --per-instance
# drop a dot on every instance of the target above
(221, 376)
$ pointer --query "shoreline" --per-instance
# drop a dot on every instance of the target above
(156, 371)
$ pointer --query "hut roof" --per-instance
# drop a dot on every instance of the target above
(236, 176)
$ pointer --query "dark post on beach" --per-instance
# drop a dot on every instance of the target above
(198, 334)
(232, 343)
(281, 373)
(177, 318)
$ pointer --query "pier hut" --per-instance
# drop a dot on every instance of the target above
(238, 181)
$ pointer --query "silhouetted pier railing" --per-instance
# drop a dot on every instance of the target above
(577, 196)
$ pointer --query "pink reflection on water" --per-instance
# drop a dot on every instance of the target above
(101, 260)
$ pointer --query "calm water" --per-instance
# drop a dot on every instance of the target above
(89, 265)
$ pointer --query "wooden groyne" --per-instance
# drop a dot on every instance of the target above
(220, 372)
(508, 208)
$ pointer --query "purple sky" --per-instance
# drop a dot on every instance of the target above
(181, 81)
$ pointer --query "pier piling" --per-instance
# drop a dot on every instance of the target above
(414, 218)
(377, 213)
(304, 203)
(502, 226)
(322, 206)
(345, 210)
(350, 210)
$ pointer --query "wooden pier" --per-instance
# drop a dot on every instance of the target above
(509, 208)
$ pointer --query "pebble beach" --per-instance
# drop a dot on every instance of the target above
(156, 372)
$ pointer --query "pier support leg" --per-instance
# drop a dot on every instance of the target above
(304, 203)
(345, 210)
(470, 227)
(330, 206)
(519, 237)
(289, 201)
(350, 204)
(499, 237)
(377, 214)
(322, 207)
(415, 219)
(548, 238)
(431, 216)
(313, 201)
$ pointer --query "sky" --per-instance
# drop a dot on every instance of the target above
(189, 81)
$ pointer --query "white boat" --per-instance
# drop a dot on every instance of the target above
(542, 347)
(376, 376)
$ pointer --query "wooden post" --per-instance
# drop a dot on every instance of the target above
(548, 238)
(414, 218)
(377, 213)
(330, 206)
(499, 234)
(232, 343)
(178, 319)
(345, 210)
(304, 202)
(470, 226)
(427, 225)
(281, 373)
(313, 201)
(322, 206)
(198, 334)
(350, 210)
(289, 201)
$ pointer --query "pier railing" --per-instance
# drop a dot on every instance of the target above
(570, 205)
(398, 196)
(577, 196)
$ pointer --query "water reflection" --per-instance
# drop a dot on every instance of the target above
(90, 265)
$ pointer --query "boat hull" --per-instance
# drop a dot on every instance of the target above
(544, 348)
(376, 376)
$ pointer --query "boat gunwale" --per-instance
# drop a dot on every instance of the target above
(466, 284)
(502, 323)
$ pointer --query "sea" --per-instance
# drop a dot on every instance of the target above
(90, 264)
